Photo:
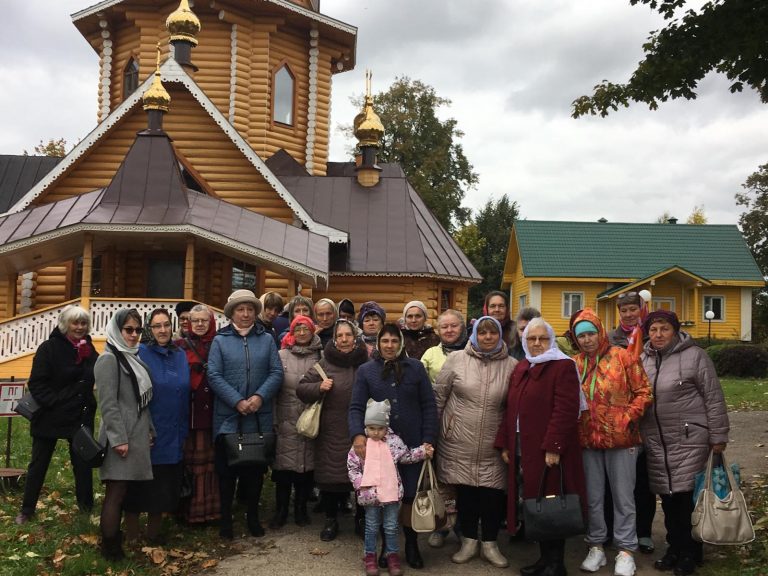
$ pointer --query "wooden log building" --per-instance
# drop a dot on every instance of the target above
(208, 171)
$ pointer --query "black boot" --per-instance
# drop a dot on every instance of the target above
(282, 498)
(360, 521)
(412, 554)
(537, 567)
(330, 530)
(553, 553)
(112, 548)
(300, 499)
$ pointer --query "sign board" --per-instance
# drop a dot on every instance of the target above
(10, 394)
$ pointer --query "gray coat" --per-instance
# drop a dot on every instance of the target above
(688, 415)
(121, 423)
(294, 451)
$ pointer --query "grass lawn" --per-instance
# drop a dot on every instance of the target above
(746, 393)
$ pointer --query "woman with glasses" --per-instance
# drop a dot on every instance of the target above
(203, 505)
(169, 408)
(124, 390)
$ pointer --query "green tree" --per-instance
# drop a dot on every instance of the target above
(52, 148)
(427, 148)
(725, 36)
(697, 216)
(754, 220)
(664, 217)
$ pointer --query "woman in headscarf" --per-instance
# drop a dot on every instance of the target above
(419, 336)
(298, 306)
(496, 305)
(544, 401)
(687, 418)
(169, 409)
(470, 391)
(294, 463)
(370, 320)
(124, 390)
(453, 336)
(245, 374)
(617, 392)
(61, 381)
(392, 376)
(325, 317)
(342, 357)
(204, 505)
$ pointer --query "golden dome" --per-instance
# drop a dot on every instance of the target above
(156, 97)
(368, 128)
(183, 24)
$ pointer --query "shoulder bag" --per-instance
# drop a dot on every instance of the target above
(87, 447)
(250, 448)
(718, 520)
(552, 516)
(27, 406)
(308, 424)
(428, 510)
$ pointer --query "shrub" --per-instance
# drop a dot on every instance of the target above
(742, 360)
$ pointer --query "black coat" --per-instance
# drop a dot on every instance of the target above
(63, 388)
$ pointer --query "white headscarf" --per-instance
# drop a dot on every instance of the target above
(552, 353)
(130, 353)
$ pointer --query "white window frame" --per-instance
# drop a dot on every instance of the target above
(669, 300)
(704, 307)
(522, 301)
(566, 299)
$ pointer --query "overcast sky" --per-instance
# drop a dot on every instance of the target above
(511, 69)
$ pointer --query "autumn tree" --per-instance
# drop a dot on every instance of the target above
(697, 216)
(724, 36)
(426, 147)
(54, 147)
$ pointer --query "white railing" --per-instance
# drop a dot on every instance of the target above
(22, 335)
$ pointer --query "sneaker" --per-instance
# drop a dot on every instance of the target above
(595, 560)
(625, 564)
(646, 545)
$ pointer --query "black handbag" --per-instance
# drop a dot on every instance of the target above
(27, 406)
(250, 448)
(553, 516)
(87, 447)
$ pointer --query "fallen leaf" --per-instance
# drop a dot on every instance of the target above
(14, 557)
(31, 554)
(58, 558)
(91, 539)
(209, 563)
(319, 552)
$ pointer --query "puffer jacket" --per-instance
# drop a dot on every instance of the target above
(294, 451)
(401, 454)
(471, 392)
(238, 368)
(688, 415)
(617, 392)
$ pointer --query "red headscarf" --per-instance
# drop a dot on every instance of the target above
(290, 339)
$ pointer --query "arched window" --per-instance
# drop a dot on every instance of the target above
(130, 78)
(283, 96)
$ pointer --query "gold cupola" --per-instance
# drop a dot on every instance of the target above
(368, 128)
(183, 24)
(156, 97)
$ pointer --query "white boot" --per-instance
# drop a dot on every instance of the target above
(490, 551)
(469, 549)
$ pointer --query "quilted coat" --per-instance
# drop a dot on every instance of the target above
(471, 392)
(688, 414)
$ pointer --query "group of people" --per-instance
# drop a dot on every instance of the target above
(496, 403)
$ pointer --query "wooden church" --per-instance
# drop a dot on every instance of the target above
(208, 171)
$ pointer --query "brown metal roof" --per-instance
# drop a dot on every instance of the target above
(391, 231)
(19, 173)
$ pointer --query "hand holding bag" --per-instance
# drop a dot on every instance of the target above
(552, 516)
(428, 511)
(721, 520)
(87, 447)
(251, 448)
(308, 424)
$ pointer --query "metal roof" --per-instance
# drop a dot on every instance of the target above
(19, 173)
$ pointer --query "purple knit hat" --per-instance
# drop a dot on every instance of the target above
(664, 315)
(371, 307)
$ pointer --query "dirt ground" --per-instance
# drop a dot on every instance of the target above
(299, 551)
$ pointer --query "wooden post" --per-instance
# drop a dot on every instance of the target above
(85, 286)
(695, 318)
(189, 270)
(11, 294)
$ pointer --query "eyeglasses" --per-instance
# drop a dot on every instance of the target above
(165, 325)
(130, 330)
(300, 329)
(626, 295)
(535, 339)
(184, 318)
(200, 321)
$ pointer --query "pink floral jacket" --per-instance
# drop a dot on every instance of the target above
(400, 453)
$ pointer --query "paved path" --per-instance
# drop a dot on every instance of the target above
(297, 551)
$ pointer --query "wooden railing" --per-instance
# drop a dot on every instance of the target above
(21, 335)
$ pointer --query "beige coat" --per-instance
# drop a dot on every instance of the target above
(471, 391)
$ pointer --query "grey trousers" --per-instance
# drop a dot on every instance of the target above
(619, 464)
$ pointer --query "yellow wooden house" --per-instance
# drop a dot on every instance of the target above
(560, 267)
(208, 171)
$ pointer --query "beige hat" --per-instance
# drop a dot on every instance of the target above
(241, 297)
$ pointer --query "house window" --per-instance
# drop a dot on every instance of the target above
(77, 283)
(717, 305)
(282, 103)
(130, 78)
(572, 301)
(522, 302)
(244, 276)
(663, 304)
(446, 299)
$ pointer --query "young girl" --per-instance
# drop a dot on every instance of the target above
(378, 486)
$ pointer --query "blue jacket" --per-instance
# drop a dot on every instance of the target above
(169, 407)
(238, 368)
(413, 414)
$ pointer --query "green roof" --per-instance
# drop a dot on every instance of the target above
(624, 250)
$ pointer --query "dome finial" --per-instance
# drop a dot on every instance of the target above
(156, 97)
(183, 24)
(368, 128)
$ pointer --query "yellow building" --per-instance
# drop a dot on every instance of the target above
(561, 267)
